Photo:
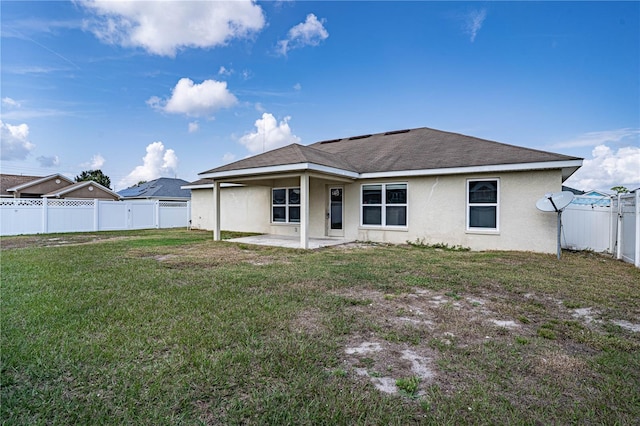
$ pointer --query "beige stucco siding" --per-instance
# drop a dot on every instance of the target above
(437, 213)
(242, 209)
(49, 185)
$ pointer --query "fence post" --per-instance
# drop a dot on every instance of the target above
(157, 214)
(45, 215)
(96, 215)
(619, 230)
(637, 236)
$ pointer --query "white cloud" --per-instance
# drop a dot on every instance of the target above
(599, 138)
(297, 87)
(10, 103)
(308, 33)
(225, 71)
(228, 157)
(195, 100)
(164, 27)
(608, 168)
(14, 142)
(193, 127)
(473, 23)
(157, 163)
(51, 161)
(269, 134)
(96, 163)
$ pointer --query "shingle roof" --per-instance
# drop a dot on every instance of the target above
(19, 182)
(158, 188)
(403, 150)
(10, 181)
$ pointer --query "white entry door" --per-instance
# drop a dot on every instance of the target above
(335, 212)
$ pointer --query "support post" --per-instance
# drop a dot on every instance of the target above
(304, 211)
(216, 211)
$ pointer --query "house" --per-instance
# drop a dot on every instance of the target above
(163, 189)
(52, 186)
(409, 185)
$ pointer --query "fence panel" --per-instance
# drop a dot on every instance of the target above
(174, 214)
(142, 215)
(35, 216)
(112, 216)
(629, 229)
(69, 216)
(20, 216)
(588, 227)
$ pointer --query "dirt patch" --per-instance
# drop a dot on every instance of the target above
(32, 241)
(408, 334)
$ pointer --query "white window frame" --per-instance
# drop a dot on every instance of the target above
(383, 206)
(286, 206)
(483, 230)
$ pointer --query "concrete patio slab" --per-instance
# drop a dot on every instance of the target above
(289, 242)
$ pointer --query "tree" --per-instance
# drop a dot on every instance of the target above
(95, 175)
(620, 189)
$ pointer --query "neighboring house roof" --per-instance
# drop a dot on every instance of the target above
(12, 183)
(599, 193)
(572, 190)
(159, 189)
(91, 187)
(421, 151)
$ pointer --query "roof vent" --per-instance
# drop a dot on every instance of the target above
(395, 132)
(359, 137)
(331, 141)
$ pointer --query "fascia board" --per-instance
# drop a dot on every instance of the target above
(301, 167)
(475, 169)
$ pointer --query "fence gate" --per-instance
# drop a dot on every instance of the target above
(629, 228)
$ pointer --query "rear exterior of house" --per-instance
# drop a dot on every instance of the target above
(418, 185)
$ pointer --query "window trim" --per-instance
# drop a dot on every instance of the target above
(383, 206)
(481, 230)
(286, 205)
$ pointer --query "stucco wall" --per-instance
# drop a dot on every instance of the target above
(243, 209)
(45, 187)
(436, 211)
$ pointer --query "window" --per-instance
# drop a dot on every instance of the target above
(384, 204)
(285, 205)
(482, 204)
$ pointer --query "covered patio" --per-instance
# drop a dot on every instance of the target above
(289, 241)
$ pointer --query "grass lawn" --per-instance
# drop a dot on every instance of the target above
(169, 327)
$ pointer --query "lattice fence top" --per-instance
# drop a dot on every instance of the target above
(173, 204)
(70, 203)
(25, 202)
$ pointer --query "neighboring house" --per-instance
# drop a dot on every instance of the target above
(52, 186)
(84, 190)
(163, 189)
(412, 185)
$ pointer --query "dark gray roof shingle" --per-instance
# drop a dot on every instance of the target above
(403, 150)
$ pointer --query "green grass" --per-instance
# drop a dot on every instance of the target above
(170, 327)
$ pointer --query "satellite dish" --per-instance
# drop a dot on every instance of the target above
(554, 202)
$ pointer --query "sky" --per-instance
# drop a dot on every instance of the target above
(149, 89)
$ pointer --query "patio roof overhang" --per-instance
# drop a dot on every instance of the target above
(280, 171)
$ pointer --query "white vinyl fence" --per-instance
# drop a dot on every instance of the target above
(604, 225)
(41, 216)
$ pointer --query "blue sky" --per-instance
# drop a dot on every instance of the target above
(147, 89)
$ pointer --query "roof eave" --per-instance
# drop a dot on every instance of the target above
(282, 168)
(568, 167)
